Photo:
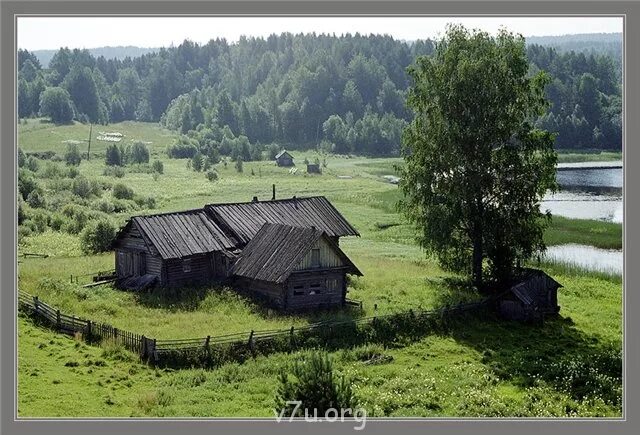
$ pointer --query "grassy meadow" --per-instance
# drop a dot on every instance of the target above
(480, 366)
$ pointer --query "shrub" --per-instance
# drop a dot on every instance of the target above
(315, 385)
(39, 221)
(82, 187)
(239, 165)
(51, 170)
(138, 153)
(97, 236)
(32, 164)
(120, 191)
(157, 166)
(22, 158)
(212, 175)
(36, 198)
(196, 162)
(113, 156)
(145, 201)
(72, 155)
(73, 172)
(185, 148)
(26, 183)
(104, 206)
(114, 171)
(57, 221)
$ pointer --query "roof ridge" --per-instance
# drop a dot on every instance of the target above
(166, 213)
(266, 201)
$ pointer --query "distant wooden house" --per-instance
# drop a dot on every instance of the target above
(283, 158)
(294, 268)
(221, 242)
(534, 296)
(313, 168)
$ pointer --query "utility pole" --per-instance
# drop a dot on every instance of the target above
(89, 147)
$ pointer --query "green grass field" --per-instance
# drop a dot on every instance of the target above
(479, 367)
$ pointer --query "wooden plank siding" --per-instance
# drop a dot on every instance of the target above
(327, 257)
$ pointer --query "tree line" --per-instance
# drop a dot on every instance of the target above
(343, 94)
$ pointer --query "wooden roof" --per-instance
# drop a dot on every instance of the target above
(533, 288)
(276, 249)
(282, 153)
(182, 234)
(244, 220)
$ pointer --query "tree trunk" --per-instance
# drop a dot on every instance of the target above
(477, 255)
(477, 243)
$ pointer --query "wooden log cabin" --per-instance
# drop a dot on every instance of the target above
(294, 268)
(231, 243)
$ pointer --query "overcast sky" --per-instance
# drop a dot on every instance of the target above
(35, 33)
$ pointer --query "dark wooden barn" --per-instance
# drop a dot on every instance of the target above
(313, 168)
(171, 249)
(211, 244)
(294, 268)
(283, 158)
(534, 296)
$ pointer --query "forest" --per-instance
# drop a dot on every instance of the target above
(340, 94)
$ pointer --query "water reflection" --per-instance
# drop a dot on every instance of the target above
(588, 193)
(602, 260)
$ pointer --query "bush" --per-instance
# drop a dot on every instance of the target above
(138, 153)
(239, 165)
(82, 187)
(114, 171)
(26, 183)
(32, 164)
(57, 221)
(51, 170)
(145, 201)
(104, 206)
(315, 385)
(157, 166)
(97, 236)
(185, 148)
(196, 162)
(73, 172)
(36, 198)
(212, 175)
(113, 156)
(72, 155)
(22, 158)
(120, 191)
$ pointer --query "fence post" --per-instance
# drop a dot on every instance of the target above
(58, 322)
(143, 348)
(35, 304)
(251, 343)
(71, 279)
(88, 329)
(115, 335)
(207, 349)
(154, 352)
(291, 340)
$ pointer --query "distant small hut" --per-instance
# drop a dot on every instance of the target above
(294, 268)
(283, 158)
(533, 297)
(313, 168)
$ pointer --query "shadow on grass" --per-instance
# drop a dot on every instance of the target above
(555, 353)
(191, 298)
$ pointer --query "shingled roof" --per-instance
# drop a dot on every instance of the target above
(276, 249)
(282, 153)
(533, 287)
(182, 234)
(244, 220)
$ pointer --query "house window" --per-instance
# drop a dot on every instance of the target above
(315, 257)
(298, 290)
(186, 265)
(315, 288)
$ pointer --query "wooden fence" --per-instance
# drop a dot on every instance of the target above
(238, 346)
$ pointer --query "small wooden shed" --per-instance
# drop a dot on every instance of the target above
(534, 296)
(313, 168)
(283, 158)
(294, 268)
(171, 250)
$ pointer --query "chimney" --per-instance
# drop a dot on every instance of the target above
(255, 199)
(273, 197)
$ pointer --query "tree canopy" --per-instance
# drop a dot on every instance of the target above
(476, 168)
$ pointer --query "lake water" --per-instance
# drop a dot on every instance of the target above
(591, 190)
(587, 193)
(602, 260)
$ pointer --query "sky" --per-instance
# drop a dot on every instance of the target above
(38, 33)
